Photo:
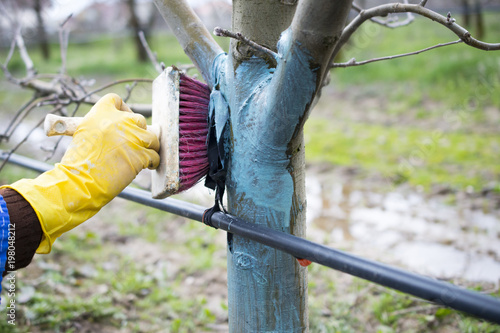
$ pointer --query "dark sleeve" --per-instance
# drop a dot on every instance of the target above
(28, 232)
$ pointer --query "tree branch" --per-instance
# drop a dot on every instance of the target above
(63, 43)
(10, 54)
(260, 21)
(317, 27)
(24, 109)
(152, 56)
(54, 90)
(389, 23)
(419, 9)
(28, 63)
(13, 150)
(194, 38)
(58, 90)
(238, 36)
(353, 62)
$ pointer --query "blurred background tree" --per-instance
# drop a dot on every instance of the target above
(473, 16)
(137, 26)
(39, 6)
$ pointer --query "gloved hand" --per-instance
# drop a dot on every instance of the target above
(108, 150)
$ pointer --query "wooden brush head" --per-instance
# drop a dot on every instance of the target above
(165, 113)
(180, 118)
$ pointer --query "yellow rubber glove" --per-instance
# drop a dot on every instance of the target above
(108, 150)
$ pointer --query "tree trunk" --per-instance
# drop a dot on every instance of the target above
(260, 21)
(473, 16)
(266, 176)
(479, 19)
(266, 185)
(466, 13)
(142, 55)
(268, 101)
(41, 33)
(267, 288)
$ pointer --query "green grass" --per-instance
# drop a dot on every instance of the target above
(118, 291)
(450, 87)
(433, 119)
(421, 157)
(458, 76)
(341, 303)
(11, 173)
(107, 56)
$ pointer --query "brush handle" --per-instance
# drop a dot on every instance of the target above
(58, 125)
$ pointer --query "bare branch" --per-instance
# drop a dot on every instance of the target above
(129, 88)
(185, 68)
(63, 23)
(60, 90)
(4, 66)
(19, 144)
(152, 56)
(423, 3)
(28, 63)
(391, 22)
(83, 98)
(386, 9)
(4, 11)
(194, 38)
(63, 43)
(18, 41)
(11, 53)
(353, 62)
(218, 31)
(63, 93)
(24, 108)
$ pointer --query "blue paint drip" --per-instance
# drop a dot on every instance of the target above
(266, 106)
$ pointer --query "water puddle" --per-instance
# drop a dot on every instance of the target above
(408, 230)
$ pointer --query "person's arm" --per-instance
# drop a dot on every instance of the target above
(109, 148)
(25, 227)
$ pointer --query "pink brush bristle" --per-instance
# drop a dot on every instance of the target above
(193, 131)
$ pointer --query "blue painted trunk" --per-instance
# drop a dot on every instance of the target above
(267, 288)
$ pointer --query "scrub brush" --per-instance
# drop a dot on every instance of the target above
(179, 120)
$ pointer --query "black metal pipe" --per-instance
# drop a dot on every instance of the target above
(444, 293)
(440, 292)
